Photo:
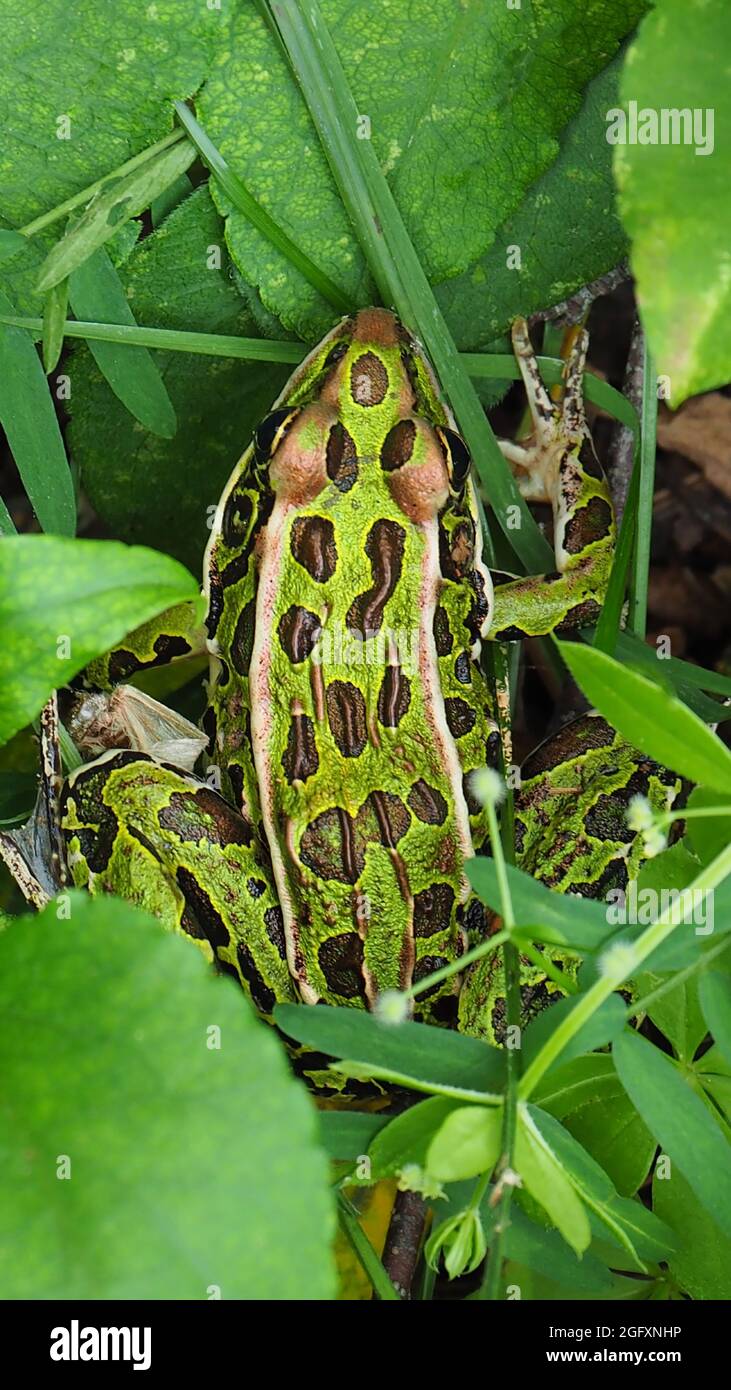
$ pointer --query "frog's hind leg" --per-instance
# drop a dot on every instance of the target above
(33, 853)
(168, 842)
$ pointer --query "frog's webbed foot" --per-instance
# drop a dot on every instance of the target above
(556, 463)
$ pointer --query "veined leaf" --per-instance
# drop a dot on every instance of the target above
(63, 602)
(544, 1178)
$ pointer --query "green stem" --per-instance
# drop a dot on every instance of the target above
(236, 190)
(86, 194)
(364, 1250)
(643, 528)
(612, 979)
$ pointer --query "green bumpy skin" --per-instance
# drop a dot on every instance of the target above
(346, 603)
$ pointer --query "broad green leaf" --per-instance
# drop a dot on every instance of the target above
(655, 722)
(10, 243)
(18, 792)
(622, 1220)
(605, 1024)
(702, 1262)
(544, 1179)
(346, 1134)
(466, 1144)
(134, 1055)
(406, 1139)
(677, 1013)
(674, 193)
(708, 835)
(97, 295)
(715, 998)
(588, 1098)
(679, 1120)
(417, 1050)
(564, 919)
(83, 89)
(147, 489)
(459, 148)
(29, 420)
(63, 602)
(545, 1252)
(566, 232)
(118, 200)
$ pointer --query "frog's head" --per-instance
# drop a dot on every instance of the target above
(366, 407)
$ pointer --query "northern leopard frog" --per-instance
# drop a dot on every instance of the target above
(322, 857)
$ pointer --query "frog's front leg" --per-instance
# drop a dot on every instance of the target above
(557, 464)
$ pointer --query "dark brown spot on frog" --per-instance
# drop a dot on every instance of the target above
(385, 549)
(210, 727)
(577, 737)
(427, 803)
(480, 607)
(203, 815)
(330, 848)
(341, 962)
(236, 520)
(312, 543)
(255, 887)
(299, 758)
(242, 641)
(426, 966)
(123, 663)
(460, 716)
(368, 380)
(235, 774)
(474, 806)
(589, 461)
(274, 926)
(235, 570)
(201, 909)
(215, 597)
(579, 616)
(398, 446)
(588, 525)
(476, 921)
(445, 1011)
(443, 638)
(346, 715)
(341, 458)
(607, 818)
(463, 669)
(394, 697)
(298, 630)
(391, 815)
(262, 996)
(433, 909)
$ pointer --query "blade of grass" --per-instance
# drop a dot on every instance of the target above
(54, 317)
(643, 530)
(172, 340)
(392, 258)
(501, 366)
(7, 526)
(96, 291)
(364, 1250)
(607, 629)
(116, 202)
(162, 205)
(242, 199)
(86, 194)
(29, 420)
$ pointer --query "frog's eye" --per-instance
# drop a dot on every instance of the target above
(270, 433)
(456, 457)
(336, 354)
